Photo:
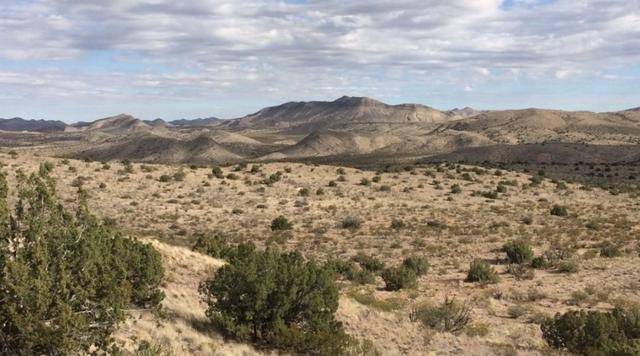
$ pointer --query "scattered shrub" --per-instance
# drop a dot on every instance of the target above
(518, 251)
(450, 316)
(351, 223)
(538, 262)
(418, 264)
(483, 272)
(281, 223)
(559, 210)
(369, 263)
(610, 250)
(570, 265)
(396, 278)
(397, 224)
(214, 245)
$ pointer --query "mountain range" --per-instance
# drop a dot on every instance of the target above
(347, 128)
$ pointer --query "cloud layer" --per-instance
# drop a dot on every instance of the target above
(217, 53)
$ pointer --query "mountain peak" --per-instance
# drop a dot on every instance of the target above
(357, 100)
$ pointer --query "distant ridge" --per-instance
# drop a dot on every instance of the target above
(20, 124)
(309, 116)
(196, 122)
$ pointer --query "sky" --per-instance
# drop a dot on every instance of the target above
(79, 60)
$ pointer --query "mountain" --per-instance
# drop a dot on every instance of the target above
(156, 122)
(541, 125)
(19, 124)
(464, 112)
(634, 109)
(305, 117)
(354, 128)
(117, 125)
(196, 122)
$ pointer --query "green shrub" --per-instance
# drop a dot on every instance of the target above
(518, 251)
(369, 263)
(66, 278)
(418, 264)
(610, 250)
(595, 333)
(276, 300)
(397, 224)
(351, 223)
(450, 316)
(570, 265)
(365, 182)
(351, 272)
(281, 223)
(396, 278)
(559, 210)
(214, 245)
(483, 272)
(538, 262)
(304, 192)
(455, 189)
(217, 172)
(164, 178)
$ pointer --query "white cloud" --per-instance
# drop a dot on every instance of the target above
(280, 50)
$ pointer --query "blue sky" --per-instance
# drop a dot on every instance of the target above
(83, 60)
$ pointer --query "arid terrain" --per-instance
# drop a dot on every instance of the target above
(450, 213)
(346, 129)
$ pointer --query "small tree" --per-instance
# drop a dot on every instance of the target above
(277, 300)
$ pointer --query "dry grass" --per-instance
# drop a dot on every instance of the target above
(450, 229)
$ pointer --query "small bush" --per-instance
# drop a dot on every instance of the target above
(217, 172)
(559, 210)
(369, 263)
(397, 224)
(450, 316)
(418, 264)
(351, 223)
(518, 251)
(455, 189)
(304, 192)
(281, 223)
(350, 271)
(538, 262)
(610, 250)
(483, 272)
(570, 265)
(214, 245)
(396, 278)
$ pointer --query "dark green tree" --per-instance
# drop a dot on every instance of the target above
(66, 279)
(276, 300)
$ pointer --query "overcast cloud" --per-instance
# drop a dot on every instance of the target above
(82, 59)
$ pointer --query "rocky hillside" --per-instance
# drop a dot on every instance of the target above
(307, 117)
